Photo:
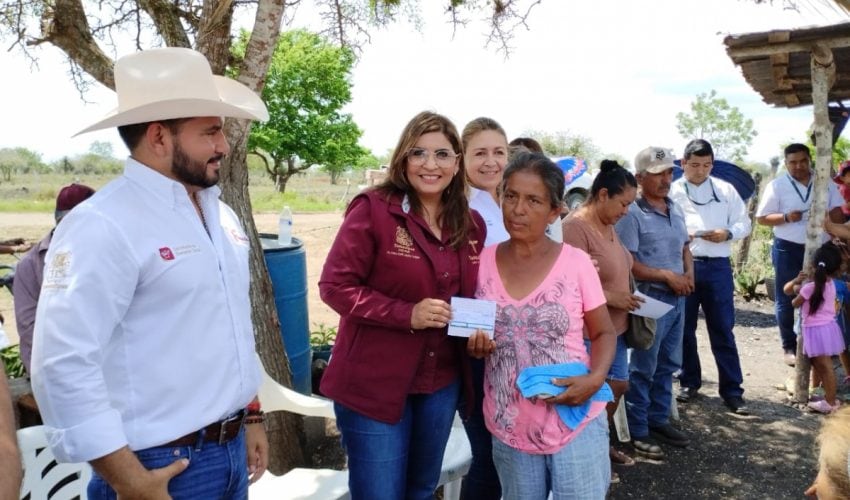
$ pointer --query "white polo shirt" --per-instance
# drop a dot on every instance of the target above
(143, 330)
(714, 204)
(783, 195)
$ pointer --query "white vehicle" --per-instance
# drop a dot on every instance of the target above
(577, 179)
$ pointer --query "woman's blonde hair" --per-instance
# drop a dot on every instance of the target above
(478, 125)
(834, 443)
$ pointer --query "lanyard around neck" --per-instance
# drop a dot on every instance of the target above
(714, 196)
(796, 190)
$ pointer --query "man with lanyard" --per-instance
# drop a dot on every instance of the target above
(143, 358)
(785, 206)
(654, 232)
(715, 215)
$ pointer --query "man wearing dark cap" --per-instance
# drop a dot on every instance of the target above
(143, 360)
(30, 270)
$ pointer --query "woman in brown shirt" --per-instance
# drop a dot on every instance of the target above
(591, 228)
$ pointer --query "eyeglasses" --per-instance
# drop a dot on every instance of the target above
(442, 157)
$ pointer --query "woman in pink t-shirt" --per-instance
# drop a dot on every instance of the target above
(546, 293)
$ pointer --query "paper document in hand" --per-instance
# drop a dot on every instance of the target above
(469, 315)
(651, 308)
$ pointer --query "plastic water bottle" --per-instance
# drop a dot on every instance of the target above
(284, 236)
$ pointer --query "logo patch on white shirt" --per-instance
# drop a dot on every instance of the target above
(166, 253)
(56, 271)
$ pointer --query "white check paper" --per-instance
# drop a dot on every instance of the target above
(651, 308)
(469, 315)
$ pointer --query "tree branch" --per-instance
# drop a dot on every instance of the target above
(214, 33)
(65, 25)
(166, 18)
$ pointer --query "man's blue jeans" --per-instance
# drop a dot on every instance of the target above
(651, 371)
(215, 471)
(714, 291)
(787, 263)
(403, 460)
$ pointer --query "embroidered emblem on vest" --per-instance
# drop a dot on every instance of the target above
(403, 245)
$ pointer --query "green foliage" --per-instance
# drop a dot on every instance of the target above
(564, 143)
(12, 363)
(306, 88)
(840, 151)
(19, 161)
(758, 265)
(102, 148)
(724, 126)
(323, 335)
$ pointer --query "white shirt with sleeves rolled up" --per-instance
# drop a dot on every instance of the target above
(714, 204)
(143, 331)
(783, 195)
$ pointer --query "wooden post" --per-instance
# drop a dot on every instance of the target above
(744, 248)
(823, 76)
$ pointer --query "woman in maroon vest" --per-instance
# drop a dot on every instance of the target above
(404, 249)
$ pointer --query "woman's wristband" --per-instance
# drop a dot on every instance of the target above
(785, 218)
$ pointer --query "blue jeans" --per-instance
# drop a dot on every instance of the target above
(651, 371)
(714, 292)
(402, 460)
(482, 481)
(620, 365)
(215, 471)
(787, 263)
(579, 470)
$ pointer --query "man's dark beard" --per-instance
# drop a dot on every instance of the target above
(191, 172)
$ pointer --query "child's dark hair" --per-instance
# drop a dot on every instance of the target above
(827, 262)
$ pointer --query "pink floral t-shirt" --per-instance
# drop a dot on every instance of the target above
(543, 328)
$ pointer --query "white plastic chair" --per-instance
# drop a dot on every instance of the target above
(329, 484)
(44, 477)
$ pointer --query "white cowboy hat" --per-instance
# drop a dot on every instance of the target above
(162, 84)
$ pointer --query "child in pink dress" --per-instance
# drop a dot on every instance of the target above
(822, 336)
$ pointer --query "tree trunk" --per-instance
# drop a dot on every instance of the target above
(284, 429)
(823, 71)
(744, 248)
(214, 33)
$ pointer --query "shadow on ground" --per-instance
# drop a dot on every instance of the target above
(768, 454)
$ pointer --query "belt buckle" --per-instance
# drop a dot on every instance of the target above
(222, 430)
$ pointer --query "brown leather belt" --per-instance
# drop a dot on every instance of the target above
(218, 432)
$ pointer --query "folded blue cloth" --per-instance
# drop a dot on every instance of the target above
(537, 381)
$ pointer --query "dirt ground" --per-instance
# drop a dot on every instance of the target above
(768, 454)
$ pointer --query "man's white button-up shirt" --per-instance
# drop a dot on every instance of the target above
(143, 331)
(714, 204)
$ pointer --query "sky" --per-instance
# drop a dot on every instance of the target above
(614, 71)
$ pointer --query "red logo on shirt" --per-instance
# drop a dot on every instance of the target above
(166, 253)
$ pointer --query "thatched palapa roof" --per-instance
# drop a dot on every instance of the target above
(777, 64)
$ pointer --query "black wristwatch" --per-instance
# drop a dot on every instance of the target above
(728, 235)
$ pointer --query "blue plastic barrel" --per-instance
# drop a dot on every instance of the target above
(288, 270)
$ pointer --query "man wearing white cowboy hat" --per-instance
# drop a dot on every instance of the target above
(143, 362)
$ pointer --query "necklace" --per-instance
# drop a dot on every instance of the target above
(200, 212)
